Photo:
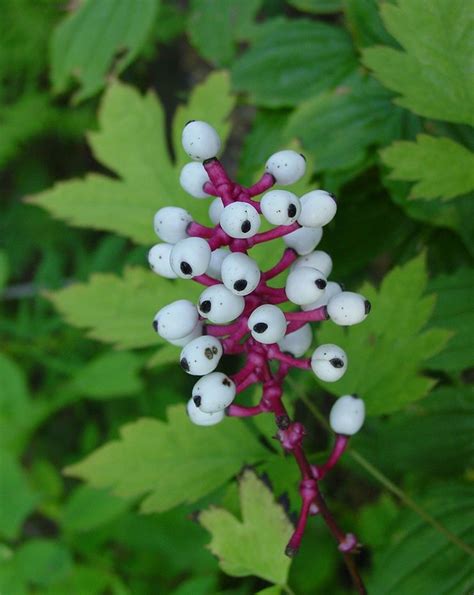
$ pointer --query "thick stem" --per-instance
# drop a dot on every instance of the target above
(274, 352)
(272, 234)
(315, 315)
(337, 451)
(265, 182)
(242, 411)
(219, 179)
(288, 258)
(196, 230)
(206, 280)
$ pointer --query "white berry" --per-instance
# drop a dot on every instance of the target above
(305, 285)
(297, 342)
(317, 260)
(159, 260)
(170, 224)
(176, 320)
(220, 305)
(287, 167)
(331, 290)
(347, 415)
(280, 207)
(240, 273)
(240, 220)
(213, 392)
(201, 356)
(318, 208)
(200, 140)
(304, 240)
(348, 308)
(194, 334)
(192, 178)
(267, 324)
(200, 418)
(215, 264)
(215, 210)
(329, 362)
(190, 257)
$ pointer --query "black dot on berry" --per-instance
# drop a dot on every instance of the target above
(240, 285)
(189, 122)
(292, 210)
(197, 400)
(260, 327)
(184, 364)
(215, 351)
(336, 362)
(208, 353)
(226, 382)
(368, 306)
(205, 306)
(320, 283)
(186, 268)
(155, 325)
(246, 226)
(303, 156)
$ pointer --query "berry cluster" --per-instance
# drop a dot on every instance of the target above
(238, 313)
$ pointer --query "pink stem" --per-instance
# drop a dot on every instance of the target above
(288, 258)
(199, 231)
(209, 189)
(336, 453)
(265, 182)
(220, 330)
(206, 280)
(295, 540)
(219, 179)
(241, 411)
(315, 315)
(251, 379)
(272, 234)
(275, 353)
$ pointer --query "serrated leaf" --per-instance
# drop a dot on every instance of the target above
(169, 463)
(255, 545)
(276, 71)
(420, 559)
(120, 310)
(215, 27)
(440, 167)
(387, 352)
(339, 126)
(454, 311)
(77, 54)
(131, 142)
(109, 375)
(16, 497)
(432, 73)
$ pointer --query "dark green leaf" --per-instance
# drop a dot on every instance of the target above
(317, 6)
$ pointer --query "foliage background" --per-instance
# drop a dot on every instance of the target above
(380, 97)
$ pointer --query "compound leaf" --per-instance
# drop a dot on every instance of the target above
(254, 545)
(440, 167)
(170, 463)
(389, 349)
(432, 73)
(98, 39)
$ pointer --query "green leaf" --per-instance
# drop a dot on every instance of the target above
(419, 559)
(341, 125)
(454, 311)
(109, 375)
(4, 269)
(364, 22)
(16, 497)
(413, 439)
(440, 167)
(169, 463)
(276, 71)
(317, 6)
(88, 508)
(254, 545)
(389, 349)
(98, 40)
(215, 27)
(433, 74)
(131, 142)
(43, 561)
(120, 310)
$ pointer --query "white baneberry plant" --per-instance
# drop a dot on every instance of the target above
(238, 313)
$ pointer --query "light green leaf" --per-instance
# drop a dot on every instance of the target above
(418, 558)
(317, 6)
(215, 27)
(109, 375)
(88, 508)
(131, 142)
(440, 167)
(170, 463)
(99, 39)
(341, 125)
(120, 310)
(292, 60)
(454, 311)
(17, 499)
(389, 349)
(255, 545)
(273, 590)
(432, 73)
